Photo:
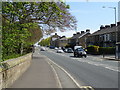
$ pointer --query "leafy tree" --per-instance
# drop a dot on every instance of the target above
(50, 15)
(45, 42)
(21, 19)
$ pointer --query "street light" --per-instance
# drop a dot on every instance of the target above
(115, 19)
(115, 24)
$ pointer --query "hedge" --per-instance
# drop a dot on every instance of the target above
(107, 50)
(92, 49)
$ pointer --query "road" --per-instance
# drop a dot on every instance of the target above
(90, 71)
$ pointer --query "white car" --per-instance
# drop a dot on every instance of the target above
(60, 51)
(43, 49)
(56, 48)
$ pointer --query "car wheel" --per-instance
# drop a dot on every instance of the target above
(85, 56)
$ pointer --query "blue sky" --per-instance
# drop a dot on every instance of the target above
(91, 15)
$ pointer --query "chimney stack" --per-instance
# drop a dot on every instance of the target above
(55, 33)
(107, 26)
(78, 32)
(118, 23)
(87, 30)
(82, 32)
(102, 27)
(74, 34)
(112, 25)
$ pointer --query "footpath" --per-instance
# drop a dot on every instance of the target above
(43, 73)
(39, 75)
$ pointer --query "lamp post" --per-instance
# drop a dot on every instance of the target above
(115, 27)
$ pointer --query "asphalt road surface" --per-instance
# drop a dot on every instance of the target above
(90, 71)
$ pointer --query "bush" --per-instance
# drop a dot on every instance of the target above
(107, 50)
(92, 49)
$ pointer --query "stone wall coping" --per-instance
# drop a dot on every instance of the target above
(13, 62)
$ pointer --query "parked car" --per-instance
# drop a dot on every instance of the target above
(80, 53)
(60, 51)
(68, 50)
(51, 47)
(75, 47)
(65, 50)
(43, 49)
(56, 48)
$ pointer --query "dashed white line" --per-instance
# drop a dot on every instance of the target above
(92, 63)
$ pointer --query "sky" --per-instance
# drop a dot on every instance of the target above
(119, 11)
(91, 15)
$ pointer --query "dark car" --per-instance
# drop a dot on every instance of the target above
(51, 47)
(79, 53)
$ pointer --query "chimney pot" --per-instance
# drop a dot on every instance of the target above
(55, 33)
(74, 34)
(118, 23)
(78, 32)
(102, 27)
(82, 32)
(87, 30)
(112, 25)
(107, 26)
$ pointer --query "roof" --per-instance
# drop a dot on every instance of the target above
(105, 31)
(79, 35)
(75, 36)
(83, 34)
(63, 39)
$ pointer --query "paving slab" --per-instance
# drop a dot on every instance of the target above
(39, 75)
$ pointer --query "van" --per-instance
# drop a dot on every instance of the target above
(75, 47)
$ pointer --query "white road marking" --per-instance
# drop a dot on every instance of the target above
(58, 80)
(102, 65)
(91, 62)
(69, 75)
(66, 73)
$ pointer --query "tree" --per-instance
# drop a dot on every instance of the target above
(50, 15)
(19, 18)
(45, 42)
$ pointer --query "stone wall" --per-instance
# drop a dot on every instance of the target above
(12, 69)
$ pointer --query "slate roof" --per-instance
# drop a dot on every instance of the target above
(75, 36)
(105, 31)
(63, 38)
(79, 35)
(83, 34)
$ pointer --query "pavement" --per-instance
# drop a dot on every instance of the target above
(43, 73)
(106, 57)
(39, 75)
(110, 57)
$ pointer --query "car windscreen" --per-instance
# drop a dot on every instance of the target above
(79, 49)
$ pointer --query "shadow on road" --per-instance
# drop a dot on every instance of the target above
(75, 57)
